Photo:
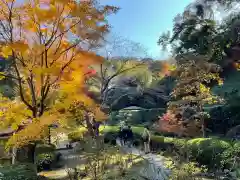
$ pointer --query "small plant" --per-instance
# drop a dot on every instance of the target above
(185, 171)
(44, 161)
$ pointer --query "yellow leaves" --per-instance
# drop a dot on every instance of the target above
(45, 14)
(61, 27)
(30, 26)
(74, 30)
(9, 1)
(100, 115)
(31, 132)
(14, 126)
(72, 6)
(6, 51)
(44, 31)
(2, 75)
(237, 65)
(19, 46)
(220, 82)
(173, 67)
(63, 1)
(37, 49)
(42, 22)
(204, 89)
(65, 44)
(89, 58)
(39, 70)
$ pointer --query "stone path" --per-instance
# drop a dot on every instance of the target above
(155, 169)
(70, 159)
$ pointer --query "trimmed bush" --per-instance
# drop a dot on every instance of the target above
(18, 172)
(236, 148)
(44, 148)
(210, 152)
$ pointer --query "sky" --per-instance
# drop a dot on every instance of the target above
(143, 21)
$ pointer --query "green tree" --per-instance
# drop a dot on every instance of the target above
(197, 30)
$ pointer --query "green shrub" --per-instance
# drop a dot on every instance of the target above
(44, 148)
(44, 156)
(236, 148)
(229, 155)
(207, 151)
(44, 161)
(110, 137)
(186, 171)
(18, 172)
(76, 135)
(210, 152)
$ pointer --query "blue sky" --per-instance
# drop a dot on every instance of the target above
(143, 21)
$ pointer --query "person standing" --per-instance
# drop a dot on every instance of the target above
(129, 136)
(120, 135)
(122, 124)
(96, 126)
(125, 134)
(146, 137)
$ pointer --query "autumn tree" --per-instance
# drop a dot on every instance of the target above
(194, 77)
(49, 44)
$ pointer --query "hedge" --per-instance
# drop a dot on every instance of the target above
(211, 152)
(44, 148)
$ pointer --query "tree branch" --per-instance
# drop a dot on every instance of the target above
(21, 88)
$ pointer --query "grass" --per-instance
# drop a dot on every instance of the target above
(136, 129)
(104, 129)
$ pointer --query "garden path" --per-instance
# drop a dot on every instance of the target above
(155, 169)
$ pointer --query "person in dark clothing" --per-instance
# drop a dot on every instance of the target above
(120, 135)
(125, 135)
(129, 136)
(96, 126)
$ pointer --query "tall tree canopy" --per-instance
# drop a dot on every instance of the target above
(199, 30)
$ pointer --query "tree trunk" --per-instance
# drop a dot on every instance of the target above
(14, 155)
(32, 148)
(49, 135)
(202, 121)
(203, 129)
(89, 126)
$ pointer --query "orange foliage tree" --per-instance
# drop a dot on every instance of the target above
(49, 44)
(194, 77)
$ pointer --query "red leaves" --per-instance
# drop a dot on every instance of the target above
(91, 72)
